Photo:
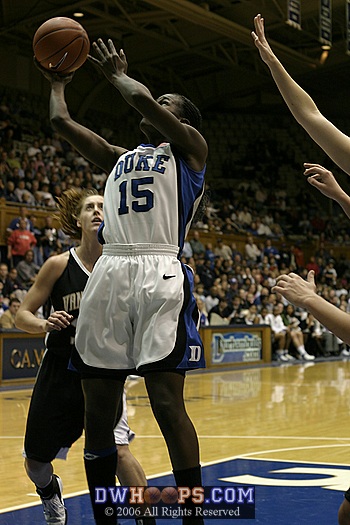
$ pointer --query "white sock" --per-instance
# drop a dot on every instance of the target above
(301, 350)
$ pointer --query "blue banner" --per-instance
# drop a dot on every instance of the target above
(236, 347)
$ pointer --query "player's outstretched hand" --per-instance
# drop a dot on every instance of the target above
(51, 76)
(109, 61)
(260, 41)
(295, 289)
(322, 179)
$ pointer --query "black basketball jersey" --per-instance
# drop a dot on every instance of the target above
(66, 295)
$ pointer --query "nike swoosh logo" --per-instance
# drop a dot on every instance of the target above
(168, 276)
(59, 63)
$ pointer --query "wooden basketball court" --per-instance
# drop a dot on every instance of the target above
(294, 415)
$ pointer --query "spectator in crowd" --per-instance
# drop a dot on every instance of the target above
(220, 313)
(330, 273)
(304, 225)
(279, 334)
(269, 250)
(47, 197)
(187, 251)
(222, 250)
(236, 315)
(251, 315)
(252, 252)
(294, 332)
(206, 272)
(245, 217)
(3, 300)
(50, 242)
(236, 254)
(297, 256)
(23, 195)
(14, 287)
(48, 149)
(196, 244)
(5, 280)
(203, 314)
(57, 143)
(261, 317)
(4, 166)
(199, 290)
(37, 249)
(23, 214)
(260, 196)
(19, 242)
(209, 255)
(312, 265)
(285, 256)
(322, 251)
(27, 270)
(212, 299)
(7, 320)
(9, 192)
(314, 336)
(262, 228)
(34, 148)
(218, 268)
(2, 188)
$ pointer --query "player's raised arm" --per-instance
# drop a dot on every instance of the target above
(93, 147)
(335, 143)
(161, 114)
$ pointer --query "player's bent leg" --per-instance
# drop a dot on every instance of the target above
(38, 472)
(131, 474)
(129, 471)
(50, 488)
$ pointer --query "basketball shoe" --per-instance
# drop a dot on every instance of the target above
(55, 512)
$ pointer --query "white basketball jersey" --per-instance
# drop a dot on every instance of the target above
(151, 196)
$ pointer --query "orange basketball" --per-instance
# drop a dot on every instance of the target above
(61, 45)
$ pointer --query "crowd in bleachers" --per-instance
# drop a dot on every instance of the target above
(232, 286)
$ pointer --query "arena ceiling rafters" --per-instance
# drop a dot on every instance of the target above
(193, 46)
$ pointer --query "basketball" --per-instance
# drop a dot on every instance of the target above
(61, 45)
(169, 495)
(152, 495)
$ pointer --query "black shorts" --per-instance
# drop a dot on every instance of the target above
(56, 412)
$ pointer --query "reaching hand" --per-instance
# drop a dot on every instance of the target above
(295, 289)
(260, 41)
(52, 76)
(322, 179)
(110, 62)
